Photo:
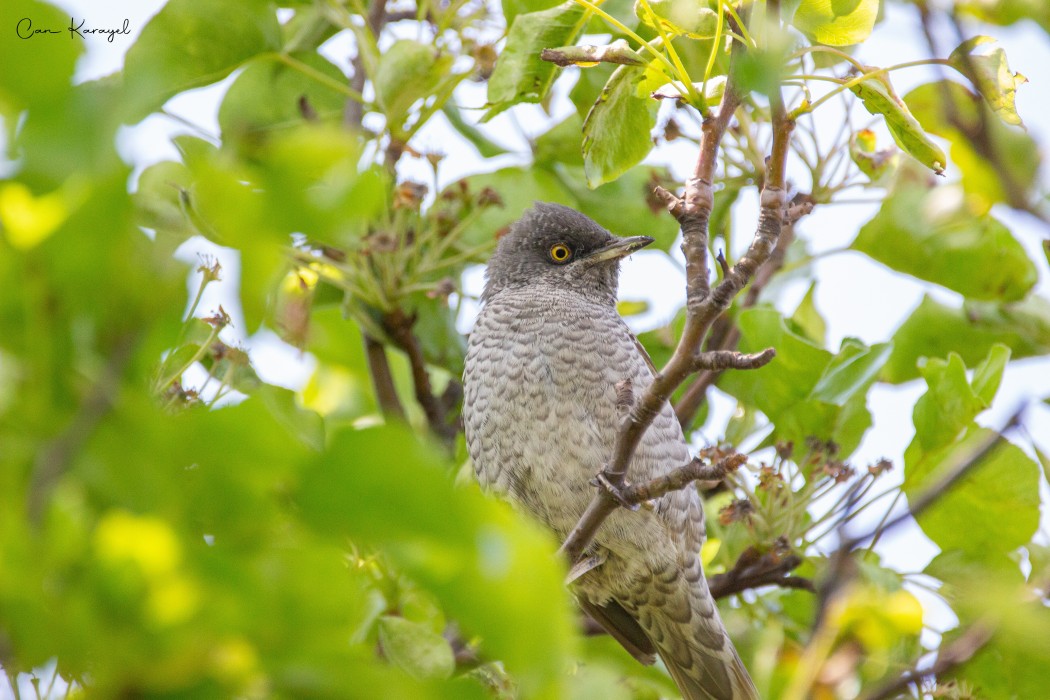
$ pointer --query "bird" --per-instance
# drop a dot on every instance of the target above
(541, 416)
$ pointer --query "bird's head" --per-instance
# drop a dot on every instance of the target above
(554, 246)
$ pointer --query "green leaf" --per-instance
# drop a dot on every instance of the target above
(421, 652)
(381, 487)
(191, 43)
(806, 391)
(627, 307)
(1017, 153)
(991, 76)
(994, 510)
(935, 236)
(836, 22)
(408, 71)
(269, 94)
(878, 165)
(934, 330)
(520, 75)
(616, 130)
(948, 407)
(163, 201)
(879, 98)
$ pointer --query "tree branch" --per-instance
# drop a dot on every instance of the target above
(353, 115)
(382, 379)
(399, 326)
(679, 478)
(703, 305)
(617, 52)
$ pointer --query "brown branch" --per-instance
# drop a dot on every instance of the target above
(755, 568)
(703, 305)
(618, 52)
(719, 360)
(680, 477)
(399, 326)
(955, 654)
(383, 380)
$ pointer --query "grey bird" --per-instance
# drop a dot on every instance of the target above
(541, 417)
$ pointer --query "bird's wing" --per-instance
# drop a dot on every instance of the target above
(622, 627)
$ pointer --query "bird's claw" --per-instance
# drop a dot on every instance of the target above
(601, 480)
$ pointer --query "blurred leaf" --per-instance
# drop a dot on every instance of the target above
(993, 78)
(34, 75)
(1004, 12)
(520, 75)
(408, 71)
(513, 8)
(435, 326)
(191, 43)
(381, 486)
(626, 307)
(879, 98)
(836, 22)
(933, 235)
(415, 648)
(562, 143)
(616, 130)
(877, 165)
(302, 423)
(269, 95)
(162, 199)
(935, 330)
(518, 188)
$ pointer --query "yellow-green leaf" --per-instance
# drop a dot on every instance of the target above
(836, 22)
(991, 75)
(879, 98)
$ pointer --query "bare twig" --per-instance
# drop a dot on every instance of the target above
(616, 52)
(955, 654)
(679, 478)
(719, 360)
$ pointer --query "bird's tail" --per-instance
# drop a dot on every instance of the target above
(692, 641)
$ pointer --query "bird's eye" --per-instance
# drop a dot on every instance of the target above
(560, 253)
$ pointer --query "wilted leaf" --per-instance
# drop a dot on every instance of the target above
(1003, 169)
(879, 98)
(991, 75)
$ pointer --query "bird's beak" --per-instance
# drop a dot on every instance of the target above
(620, 248)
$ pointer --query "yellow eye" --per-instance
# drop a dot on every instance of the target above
(560, 253)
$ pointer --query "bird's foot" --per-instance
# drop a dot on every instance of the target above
(601, 480)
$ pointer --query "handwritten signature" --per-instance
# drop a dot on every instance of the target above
(25, 29)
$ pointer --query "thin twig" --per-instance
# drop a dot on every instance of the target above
(399, 326)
